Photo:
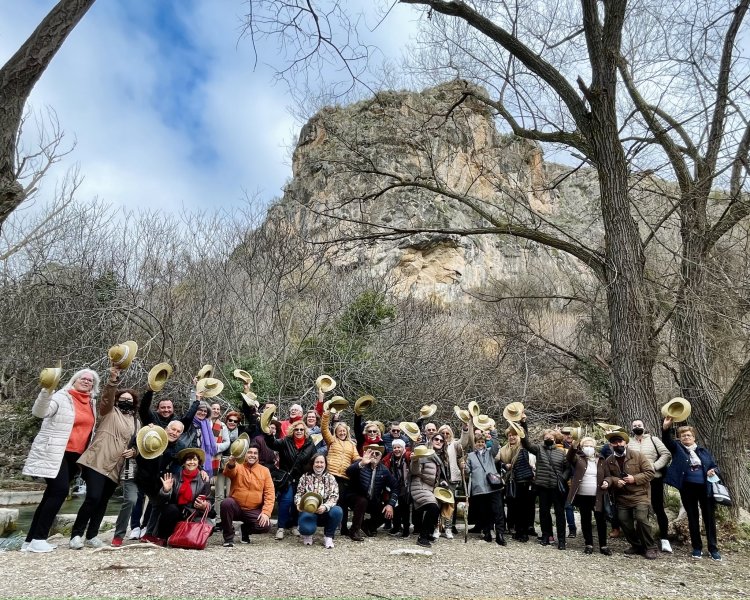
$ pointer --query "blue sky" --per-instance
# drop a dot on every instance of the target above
(164, 102)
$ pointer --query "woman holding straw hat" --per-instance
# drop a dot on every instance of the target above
(317, 480)
(488, 502)
(439, 442)
(68, 417)
(342, 452)
(425, 472)
(517, 461)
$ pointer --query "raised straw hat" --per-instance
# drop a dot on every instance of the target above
(239, 447)
(243, 376)
(325, 383)
(205, 371)
(363, 403)
(427, 411)
(158, 376)
(151, 441)
(50, 377)
(266, 417)
(474, 409)
(483, 422)
(677, 408)
(513, 411)
(462, 414)
(121, 355)
(338, 403)
(410, 429)
(208, 387)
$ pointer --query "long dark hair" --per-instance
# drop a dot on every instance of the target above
(309, 466)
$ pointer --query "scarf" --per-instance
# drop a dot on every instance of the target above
(185, 493)
(208, 443)
(508, 453)
(298, 443)
(694, 460)
(218, 431)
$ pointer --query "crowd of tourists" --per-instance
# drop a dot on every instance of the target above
(408, 478)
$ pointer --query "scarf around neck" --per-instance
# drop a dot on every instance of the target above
(208, 442)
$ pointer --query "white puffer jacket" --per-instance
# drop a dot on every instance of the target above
(48, 448)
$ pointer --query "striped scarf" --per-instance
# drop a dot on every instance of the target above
(217, 429)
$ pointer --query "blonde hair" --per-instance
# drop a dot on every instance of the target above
(446, 428)
(346, 427)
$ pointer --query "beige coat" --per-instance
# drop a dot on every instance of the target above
(112, 437)
(653, 449)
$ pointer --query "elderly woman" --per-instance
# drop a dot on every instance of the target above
(183, 493)
(689, 472)
(517, 462)
(114, 441)
(69, 416)
(200, 434)
(425, 471)
(317, 479)
(295, 451)
(342, 452)
(488, 501)
(586, 491)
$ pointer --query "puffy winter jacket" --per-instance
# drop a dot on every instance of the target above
(361, 477)
(424, 472)
(341, 453)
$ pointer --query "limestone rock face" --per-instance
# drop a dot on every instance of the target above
(376, 174)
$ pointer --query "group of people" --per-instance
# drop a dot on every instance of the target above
(411, 478)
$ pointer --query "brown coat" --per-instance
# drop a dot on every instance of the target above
(579, 462)
(642, 469)
(112, 436)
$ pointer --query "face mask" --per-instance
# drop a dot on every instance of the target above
(125, 406)
(549, 443)
(637, 430)
(588, 451)
(619, 450)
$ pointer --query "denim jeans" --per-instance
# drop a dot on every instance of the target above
(287, 511)
(309, 522)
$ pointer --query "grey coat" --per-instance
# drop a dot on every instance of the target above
(478, 464)
(424, 473)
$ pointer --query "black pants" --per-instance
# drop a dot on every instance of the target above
(489, 511)
(549, 498)
(54, 496)
(695, 495)
(401, 513)
(518, 508)
(586, 506)
(343, 501)
(657, 503)
(361, 505)
(99, 489)
(426, 519)
(169, 516)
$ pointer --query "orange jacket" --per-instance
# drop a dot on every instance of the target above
(252, 487)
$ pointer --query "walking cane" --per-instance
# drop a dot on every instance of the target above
(466, 506)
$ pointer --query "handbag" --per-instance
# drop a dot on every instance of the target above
(608, 505)
(280, 479)
(511, 489)
(190, 534)
(720, 493)
(495, 481)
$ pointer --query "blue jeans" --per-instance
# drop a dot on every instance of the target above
(287, 511)
(308, 522)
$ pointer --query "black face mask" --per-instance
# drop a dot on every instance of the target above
(126, 407)
(549, 443)
(619, 450)
(638, 430)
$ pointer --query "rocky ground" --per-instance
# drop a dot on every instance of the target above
(374, 568)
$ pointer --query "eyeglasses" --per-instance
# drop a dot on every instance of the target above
(441, 440)
(299, 430)
(86, 379)
(395, 431)
(201, 410)
(232, 421)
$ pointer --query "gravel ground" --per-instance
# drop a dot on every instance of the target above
(368, 570)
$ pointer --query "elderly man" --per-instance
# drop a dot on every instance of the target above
(251, 499)
(295, 414)
(629, 473)
(369, 480)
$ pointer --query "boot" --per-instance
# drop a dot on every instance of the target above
(499, 538)
(487, 537)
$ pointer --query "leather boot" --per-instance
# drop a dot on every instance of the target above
(499, 538)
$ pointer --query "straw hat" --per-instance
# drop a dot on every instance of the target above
(513, 412)
(422, 451)
(239, 447)
(677, 408)
(158, 376)
(266, 417)
(316, 438)
(250, 398)
(151, 441)
(608, 426)
(444, 495)
(205, 371)
(427, 411)
(410, 429)
(182, 453)
(325, 383)
(617, 433)
(474, 409)
(121, 355)
(483, 422)
(209, 387)
(337, 403)
(377, 447)
(363, 403)
(50, 377)
(517, 429)
(310, 502)
(462, 414)
(243, 376)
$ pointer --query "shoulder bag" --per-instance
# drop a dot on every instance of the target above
(494, 480)
(720, 493)
(192, 535)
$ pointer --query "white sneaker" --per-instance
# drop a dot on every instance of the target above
(76, 543)
(135, 534)
(40, 546)
(328, 542)
(94, 542)
(295, 531)
(25, 546)
(436, 534)
(448, 533)
(307, 540)
(666, 546)
(279, 534)
(144, 531)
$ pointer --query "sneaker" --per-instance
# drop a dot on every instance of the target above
(295, 531)
(135, 533)
(605, 551)
(25, 546)
(307, 540)
(94, 542)
(697, 554)
(76, 543)
(245, 539)
(228, 544)
(572, 533)
(715, 555)
(279, 534)
(144, 531)
(328, 542)
(448, 534)
(666, 546)
(426, 542)
(40, 546)
(116, 541)
(651, 554)
(436, 533)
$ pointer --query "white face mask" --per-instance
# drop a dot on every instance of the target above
(588, 451)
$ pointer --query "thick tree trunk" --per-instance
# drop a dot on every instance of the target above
(17, 78)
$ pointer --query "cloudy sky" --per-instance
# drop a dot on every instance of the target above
(164, 102)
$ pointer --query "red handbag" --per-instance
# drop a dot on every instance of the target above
(190, 534)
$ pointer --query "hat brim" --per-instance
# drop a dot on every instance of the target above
(184, 452)
(325, 383)
(678, 409)
(205, 371)
(158, 376)
(474, 409)
(141, 436)
(410, 429)
(266, 417)
(362, 404)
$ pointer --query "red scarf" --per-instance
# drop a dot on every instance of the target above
(185, 493)
(299, 442)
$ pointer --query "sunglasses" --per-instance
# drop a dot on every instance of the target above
(232, 421)
(441, 440)
(376, 452)
(373, 431)
(299, 430)
(395, 431)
